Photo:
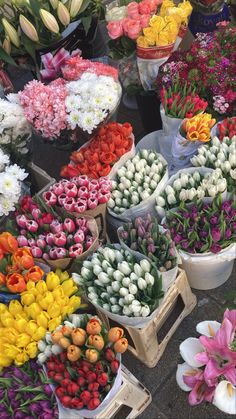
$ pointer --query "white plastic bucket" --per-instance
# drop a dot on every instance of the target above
(208, 271)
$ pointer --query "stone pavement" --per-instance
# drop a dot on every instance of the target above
(168, 401)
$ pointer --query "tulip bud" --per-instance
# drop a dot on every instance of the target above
(32, 226)
(31, 242)
(69, 204)
(59, 239)
(56, 227)
(69, 225)
(71, 190)
(80, 206)
(89, 241)
(36, 252)
(57, 253)
(63, 14)
(7, 45)
(76, 250)
(79, 236)
(49, 21)
(28, 28)
(121, 345)
(92, 203)
(41, 243)
(22, 241)
(62, 199)
(50, 198)
(11, 32)
(83, 192)
(21, 220)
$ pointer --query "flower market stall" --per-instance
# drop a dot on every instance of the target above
(112, 261)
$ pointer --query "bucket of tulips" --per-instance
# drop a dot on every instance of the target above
(179, 101)
(225, 128)
(80, 196)
(41, 309)
(191, 184)
(57, 240)
(126, 288)
(83, 360)
(135, 186)
(205, 236)
(192, 133)
(145, 236)
(97, 158)
(25, 392)
(220, 154)
(18, 267)
(208, 371)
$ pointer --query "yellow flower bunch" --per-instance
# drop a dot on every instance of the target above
(198, 128)
(181, 12)
(43, 307)
(162, 31)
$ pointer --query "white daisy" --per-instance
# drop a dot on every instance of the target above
(73, 119)
(16, 172)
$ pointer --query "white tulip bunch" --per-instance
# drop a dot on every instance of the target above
(187, 186)
(115, 281)
(136, 180)
(221, 155)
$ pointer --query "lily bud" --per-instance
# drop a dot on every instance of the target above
(54, 4)
(49, 21)
(11, 32)
(28, 28)
(63, 14)
(7, 45)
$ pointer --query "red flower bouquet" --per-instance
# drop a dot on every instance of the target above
(227, 128)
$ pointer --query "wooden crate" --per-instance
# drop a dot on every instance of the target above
(130, 401)
(40, 180)
(148, 343)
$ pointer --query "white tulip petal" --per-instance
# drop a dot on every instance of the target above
(208, 328)
(188, 349)
(225, 397)
(184, 369)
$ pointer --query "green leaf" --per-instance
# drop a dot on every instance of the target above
(29, 46)
(84, 6)
(86, 22)
(35, 6)
(6, 57)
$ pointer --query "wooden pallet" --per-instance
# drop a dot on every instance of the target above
(148, 343)
(130, 401)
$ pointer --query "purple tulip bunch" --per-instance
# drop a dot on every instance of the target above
(25, 394)
(202, 228)
(144, 235)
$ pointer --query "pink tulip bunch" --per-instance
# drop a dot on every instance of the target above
(55, 238)
(139, 15)
(78, 194)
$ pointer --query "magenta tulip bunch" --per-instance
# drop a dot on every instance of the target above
(78, 194)
(51, 237)
(202, 228)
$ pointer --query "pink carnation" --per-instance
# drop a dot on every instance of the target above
(133, 10)
(76, 66)
(132, 28)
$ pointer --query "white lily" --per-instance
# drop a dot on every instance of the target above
(184, 369)
(188, 349)
(208, 328)
(225, 397)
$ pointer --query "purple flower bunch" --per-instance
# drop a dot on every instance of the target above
(25, 393)
(144, 235)
(202, 227)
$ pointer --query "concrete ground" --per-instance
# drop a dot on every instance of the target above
(168, 401)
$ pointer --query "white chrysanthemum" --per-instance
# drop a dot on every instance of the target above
(15, 171)
(9, 186)
(110, 101)
(100, 115)
(73, 119)
(4, 159)
(89, 77)
(87, 121)
(6, 205)
(97, 101)
(13, 98)
(71, 103)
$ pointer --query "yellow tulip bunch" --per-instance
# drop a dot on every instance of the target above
(198, 128)
(43, 307)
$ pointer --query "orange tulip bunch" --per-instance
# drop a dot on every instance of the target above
(87, 363)
(198, 128)
(17, 265)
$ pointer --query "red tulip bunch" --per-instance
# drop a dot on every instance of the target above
(227, 128)
(79, 194)
(49, 236)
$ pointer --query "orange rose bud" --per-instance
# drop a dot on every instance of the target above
(56, 336)
(2, 279)
(73, 353)
(66, 330)
(121, 345)
(115, 333)
(96, 341)
(23, 258)
(92, 355)
(1, 254)
(34, 274)
(15, 283)
(8, 242)
(93, 327)
(78, 336)
(64, 343)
